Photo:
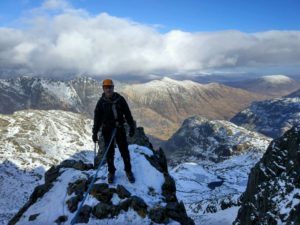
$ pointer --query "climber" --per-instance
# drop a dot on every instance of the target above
(109, 113)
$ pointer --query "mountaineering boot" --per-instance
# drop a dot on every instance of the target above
(130, 177)
(110, 178)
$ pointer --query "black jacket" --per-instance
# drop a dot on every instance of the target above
(103, 114)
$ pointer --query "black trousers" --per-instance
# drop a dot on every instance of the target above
(121, 140)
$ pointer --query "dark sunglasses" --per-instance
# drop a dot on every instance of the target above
(108, 87)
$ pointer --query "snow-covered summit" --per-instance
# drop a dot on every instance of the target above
(271, 86)
(165, 83)
(152, 198)
(277, 79)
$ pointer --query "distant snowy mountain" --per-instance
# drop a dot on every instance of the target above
(270, 117)
(273, 190)
(200, 139)
(167, 102)
(271, 85)
(159, 103)
(79, 95)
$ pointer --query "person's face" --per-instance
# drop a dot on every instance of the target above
(108, 90)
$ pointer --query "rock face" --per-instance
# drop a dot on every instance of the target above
(273, 190)
(152, 198)
(79, 95)
(200, 139)
(270, 117)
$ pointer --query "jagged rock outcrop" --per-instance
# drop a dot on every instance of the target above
(273, 190)
(151, 199)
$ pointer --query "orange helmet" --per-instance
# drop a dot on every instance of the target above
(107, 82)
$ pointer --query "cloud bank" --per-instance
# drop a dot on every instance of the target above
(59, 38)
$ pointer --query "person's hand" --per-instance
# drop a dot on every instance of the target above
(131, 131)
(95, 137)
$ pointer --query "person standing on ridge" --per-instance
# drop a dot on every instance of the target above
(109, 113)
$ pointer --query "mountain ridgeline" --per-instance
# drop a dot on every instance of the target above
(270, 117)
(161, 103)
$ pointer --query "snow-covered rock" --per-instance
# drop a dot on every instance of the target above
(273, 190)
(34, 140)
(211, 191)
(152, 198)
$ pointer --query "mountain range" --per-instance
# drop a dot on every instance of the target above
(271, 117)
(210, 159)
(161, 103)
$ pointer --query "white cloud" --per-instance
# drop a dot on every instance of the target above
(73, 41)
(55, 4)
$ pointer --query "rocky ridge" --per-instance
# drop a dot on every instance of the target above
(151, 198)
(273, 190)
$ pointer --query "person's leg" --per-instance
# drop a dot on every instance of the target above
(123, 148)
(107, 132)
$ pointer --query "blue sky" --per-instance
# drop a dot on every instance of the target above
(187, 15)
(150, 38)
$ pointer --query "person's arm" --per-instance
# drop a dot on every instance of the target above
(97, 119)
(127, 113)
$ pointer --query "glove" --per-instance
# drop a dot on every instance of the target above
(95, 137)
(131, 131)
